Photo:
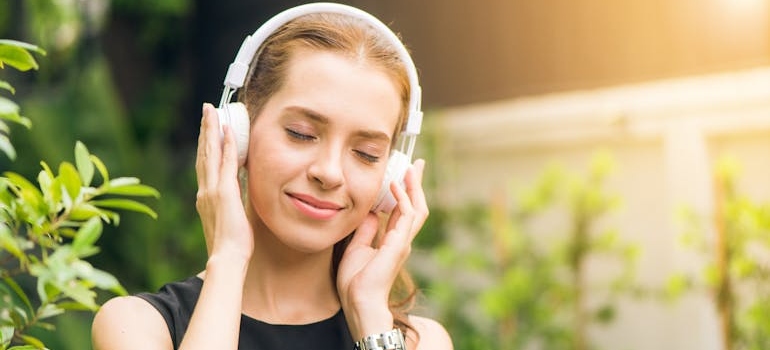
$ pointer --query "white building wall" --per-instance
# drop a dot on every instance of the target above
(664, 136)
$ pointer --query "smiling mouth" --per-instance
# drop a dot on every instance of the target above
(314, 208)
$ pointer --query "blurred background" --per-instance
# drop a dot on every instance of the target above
(598, 170)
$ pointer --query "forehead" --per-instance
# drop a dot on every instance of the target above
(341, 87)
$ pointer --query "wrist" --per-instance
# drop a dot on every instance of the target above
(231, 252)
(232, 265)
(367, 319)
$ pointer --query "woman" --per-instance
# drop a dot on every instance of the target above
(326, 100)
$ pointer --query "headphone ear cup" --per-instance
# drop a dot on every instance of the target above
(237, 117)
(398, 163)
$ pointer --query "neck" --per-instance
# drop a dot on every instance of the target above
(285, 286)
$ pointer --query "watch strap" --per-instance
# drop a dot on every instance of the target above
(390, 340)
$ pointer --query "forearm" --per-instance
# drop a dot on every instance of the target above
(215, 322)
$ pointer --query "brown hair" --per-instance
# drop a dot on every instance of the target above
(358, 40)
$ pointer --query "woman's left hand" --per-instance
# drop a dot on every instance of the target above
(368, 269)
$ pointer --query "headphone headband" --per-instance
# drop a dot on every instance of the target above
(239, 69)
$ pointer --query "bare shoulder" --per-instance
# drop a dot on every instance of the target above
(433, 336)
(129, 323)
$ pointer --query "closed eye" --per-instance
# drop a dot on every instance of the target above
(299, 136)
(366, 157)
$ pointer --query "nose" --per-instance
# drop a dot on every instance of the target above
(326, 168)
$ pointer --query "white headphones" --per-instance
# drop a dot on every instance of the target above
(235, 114)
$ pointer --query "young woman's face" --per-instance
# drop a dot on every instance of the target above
(319, 148)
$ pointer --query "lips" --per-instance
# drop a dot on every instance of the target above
(313, 207)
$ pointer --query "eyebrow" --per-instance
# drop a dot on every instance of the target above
(324, 120)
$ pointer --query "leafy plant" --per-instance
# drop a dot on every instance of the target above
(736, 273)
(537, 276)
(48, 229)
(15, 54)
(520, 265)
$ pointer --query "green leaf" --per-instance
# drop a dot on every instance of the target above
(72, 306)
(20, 315)
(87, 235)
(70, 178)
(23, 45)
(52, 190)
(32, 341)
(7, 147)
(44, 179)
(134, 190)
(67, 232)
(17, 56)
(100, 166)
(45, 325)
(83, 162)
(80, 293)
(7, 86)
(98, 278)
(45, 289)
(25, 347)
(9, 110)
(9, 242)
(123, 181)
(6, 334)
(48, 310)
(109, 216)
(125, 204)
(19, 292)
(30, 196)
(84, 211)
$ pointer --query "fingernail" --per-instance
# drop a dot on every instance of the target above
(420, 163)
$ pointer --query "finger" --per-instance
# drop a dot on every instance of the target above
(394, 216)
(229, 166)
(229, 187)
(212, 146)
(414, 189)
(400, 233)
(366, 232)
(413, 183)
(200, 155)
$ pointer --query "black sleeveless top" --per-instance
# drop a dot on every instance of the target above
(176, 301)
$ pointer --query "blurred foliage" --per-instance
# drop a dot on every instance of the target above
(74, 96)
(501, 277)
(18, 55)
(47, 230)
(737, 272)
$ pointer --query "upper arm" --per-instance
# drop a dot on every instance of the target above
(432, 335)
(129, 323)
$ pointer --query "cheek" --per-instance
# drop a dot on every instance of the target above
(365, 186)
(267, 165)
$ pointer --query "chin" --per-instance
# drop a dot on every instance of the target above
(311, 240)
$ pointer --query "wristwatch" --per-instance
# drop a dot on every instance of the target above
(390, 340)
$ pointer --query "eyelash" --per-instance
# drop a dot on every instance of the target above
(366, 157)
(299, 136)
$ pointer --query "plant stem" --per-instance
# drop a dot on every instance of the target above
(723, 290)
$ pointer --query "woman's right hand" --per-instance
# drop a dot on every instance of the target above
(218, 201)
